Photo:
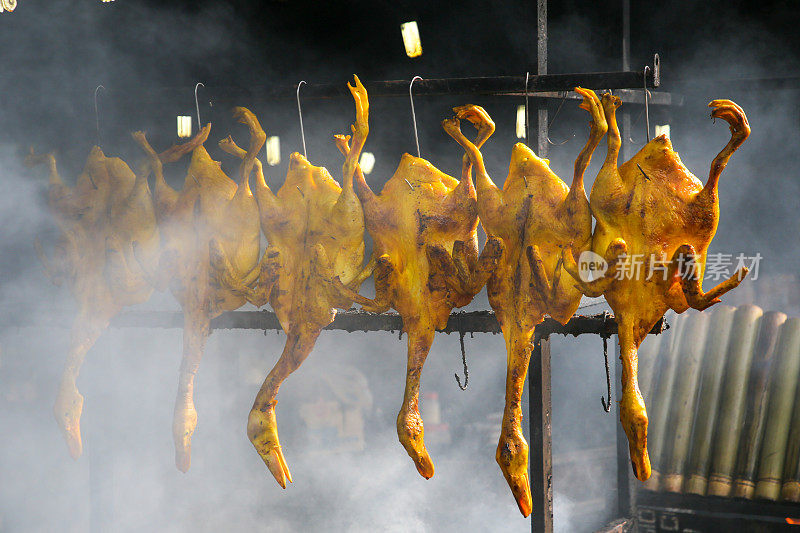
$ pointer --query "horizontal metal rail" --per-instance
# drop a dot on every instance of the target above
(544, 86)
(357, 320)
(490, 85)
(350, 320)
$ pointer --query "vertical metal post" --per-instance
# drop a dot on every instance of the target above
(541, 69)
(540, 440)
(626, 66)
(539, 401)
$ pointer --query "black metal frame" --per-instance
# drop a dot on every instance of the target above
(350, 320)
(540, 85)
(665, 511)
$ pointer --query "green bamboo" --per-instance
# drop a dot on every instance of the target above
(790, 490)
(731, 414)
(744, 483)
(713, 366)
(662, 394)
(783, 387)
(676, 447)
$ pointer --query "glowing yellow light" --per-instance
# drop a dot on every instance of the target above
(662, 130)
(106, 1)
(367, 162)
(411, 40)
(8, 5)
(273, 150)
(521, 122)
(184, 126)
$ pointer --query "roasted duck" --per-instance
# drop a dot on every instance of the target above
(100, 218)
(655, 221)
(313, 265)
(534, 216)
(210, 242)
(424, 227)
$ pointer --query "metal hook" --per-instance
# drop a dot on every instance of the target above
(96, 112)
(527, 121)
(413, 113)
(554, 119)
(639, 116)
(606, 405)
(463, 356)
(197, 105)
(300, 114)
(646, 102)
(646, 109)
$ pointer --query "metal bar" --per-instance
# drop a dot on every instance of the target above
(541, 70)
(490, 85)
(626, 34)
(541, 460)
(539, 399)
(719, 507)
(782, 83)
(351, 320)
(628, 96)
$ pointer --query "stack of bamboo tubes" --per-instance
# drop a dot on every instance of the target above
(724, 404)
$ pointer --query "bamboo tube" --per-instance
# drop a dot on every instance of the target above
(731, 414)
(676, 447)
(783, 387)
(790, 491)
(713, 366)
(662, 393)
(744, 483)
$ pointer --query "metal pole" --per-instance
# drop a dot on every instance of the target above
(539, 401)
(540, 441)
(626, 63)
(541, 70)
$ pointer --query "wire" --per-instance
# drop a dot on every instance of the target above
(413, 113)
(197, 106)
(300, 114)
(97, 116)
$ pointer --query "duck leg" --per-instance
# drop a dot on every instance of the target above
(539, 281)
(740, 130)
(684, 263)
(614, 257)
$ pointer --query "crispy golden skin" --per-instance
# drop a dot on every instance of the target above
(653, 208)
(210, 239)
(534, 216)
(100, 218)
(424, 228)
(313, 265)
